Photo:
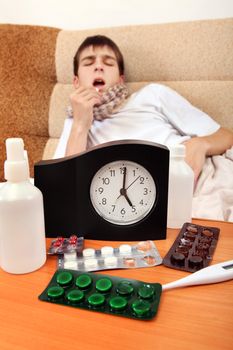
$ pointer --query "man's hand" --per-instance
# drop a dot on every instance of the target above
(196, 150)
(82, 101)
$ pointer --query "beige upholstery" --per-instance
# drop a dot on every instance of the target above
(194, 58)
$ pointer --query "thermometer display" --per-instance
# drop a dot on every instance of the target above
(228, 267)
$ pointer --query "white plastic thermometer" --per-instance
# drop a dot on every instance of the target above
(211, 274)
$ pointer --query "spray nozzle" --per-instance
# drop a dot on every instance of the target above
(14, 149)
(16, 164)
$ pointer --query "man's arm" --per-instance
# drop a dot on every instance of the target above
(77, 141)
(82, 102)
(198, 148)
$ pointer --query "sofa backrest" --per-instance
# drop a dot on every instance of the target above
(194, 58)
(27, 79)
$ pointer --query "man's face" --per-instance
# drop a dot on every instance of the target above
(98, 67)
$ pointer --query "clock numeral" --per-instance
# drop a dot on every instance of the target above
(112, 172)
(100, 190)
(122, 170)
(106, 180)
(113, 208)
(123, 211)
(104, 201)
(142, 179)
(145, 191)
(141, 202)
(133, 209)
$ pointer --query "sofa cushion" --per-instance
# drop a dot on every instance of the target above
(28, 75)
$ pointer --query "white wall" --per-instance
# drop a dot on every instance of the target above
(76, 14)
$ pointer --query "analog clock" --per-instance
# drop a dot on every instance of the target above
(114, 191)
(123, 192)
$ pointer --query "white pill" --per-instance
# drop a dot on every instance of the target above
(125, 249)
(70, 256)
(90, 264)
(89, 252)
(105, 251)
(110, 261)
(73, 265)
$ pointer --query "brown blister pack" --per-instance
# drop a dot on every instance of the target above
(193, 248)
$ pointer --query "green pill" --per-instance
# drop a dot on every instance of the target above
(75, 296)
(55, 292)
(118, 303)
(141, 307)
(64, 278)
(103, 285)
(83, 281)
(146, 291)
(96, 299)
(125, 288)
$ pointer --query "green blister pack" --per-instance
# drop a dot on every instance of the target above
(104, 293)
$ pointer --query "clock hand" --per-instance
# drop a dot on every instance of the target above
(128, 200)
(124, 177)
(133, 182)
(123, 193)
(125, 189)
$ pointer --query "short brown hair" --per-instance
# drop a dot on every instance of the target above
(99, 41)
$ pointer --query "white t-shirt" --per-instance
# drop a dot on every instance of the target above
(154, 113)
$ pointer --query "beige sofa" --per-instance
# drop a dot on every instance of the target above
(194, 58)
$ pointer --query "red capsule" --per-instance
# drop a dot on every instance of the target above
(73, 239)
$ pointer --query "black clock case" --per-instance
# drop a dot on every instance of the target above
(65, 185)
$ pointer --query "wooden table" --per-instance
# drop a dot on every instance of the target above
(199, 317)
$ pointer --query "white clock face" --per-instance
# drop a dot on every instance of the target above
(123, 192)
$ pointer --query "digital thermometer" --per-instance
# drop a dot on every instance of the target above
(211, 274)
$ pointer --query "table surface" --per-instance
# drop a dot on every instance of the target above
(197, 317)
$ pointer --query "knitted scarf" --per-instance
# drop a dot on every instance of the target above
(111, 100)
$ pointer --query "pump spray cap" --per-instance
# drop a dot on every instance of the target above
(16, 165)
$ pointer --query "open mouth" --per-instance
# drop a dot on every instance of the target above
(98, 83)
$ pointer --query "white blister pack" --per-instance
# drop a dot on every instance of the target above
(141, 254)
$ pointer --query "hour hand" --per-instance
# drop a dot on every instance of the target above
(124, 193)
(128, 200)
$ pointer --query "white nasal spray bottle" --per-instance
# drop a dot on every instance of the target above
(22, 229)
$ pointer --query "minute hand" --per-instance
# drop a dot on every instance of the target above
(124, 177)
(133, 182)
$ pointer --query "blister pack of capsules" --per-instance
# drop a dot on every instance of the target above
(193, 248)
(61, 245)
(104, 293)
(142, 254)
